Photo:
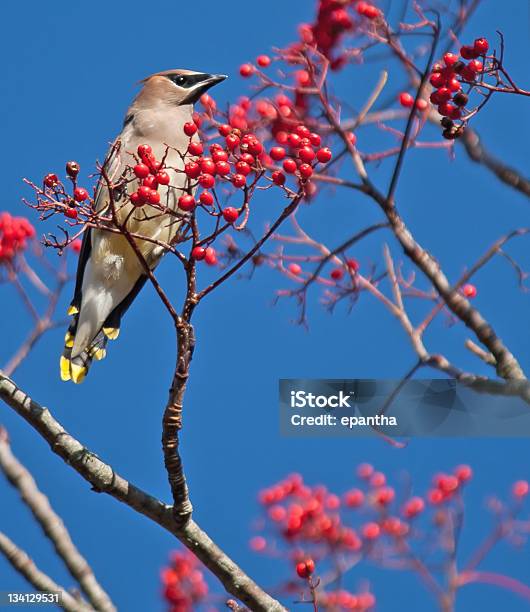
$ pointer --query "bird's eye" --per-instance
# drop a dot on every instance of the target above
(181, 80)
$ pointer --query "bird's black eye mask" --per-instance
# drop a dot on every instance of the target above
(187, 80)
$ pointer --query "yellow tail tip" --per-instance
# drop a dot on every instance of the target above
(64, 365)
(99, 353)
(68, 340)
(78, 373)
(111, 332)
(72, 310)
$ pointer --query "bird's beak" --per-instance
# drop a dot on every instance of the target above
(209, 81)
(213, 79)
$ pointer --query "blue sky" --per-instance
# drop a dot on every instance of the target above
(71, 74)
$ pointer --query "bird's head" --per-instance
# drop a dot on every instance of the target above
(178, 86)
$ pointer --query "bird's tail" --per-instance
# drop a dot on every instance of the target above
(76, 368)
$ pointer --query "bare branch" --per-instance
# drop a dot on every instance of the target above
(52, 525)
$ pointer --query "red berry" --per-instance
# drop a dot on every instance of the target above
(208, 165)
(413, 507)
(80, 194)
(141, 170)
(454, 85)
(219, 155)
(520, 488)
(222, 168)
(239, 180)
(247, 157)
(190, 129)
(51, 180)
(294, 268)
(224, 129)
(210, 257)
(463, 473)
(255, 147)
(450, 59)
(243, 168)
(302, 131)
(306, 154)
(467, 74)
(207, 181)
(475, 66)
(421, 104)
(354, 266)
(195, 148)
(446, 109)
(294, 140)
(444, 94)
(289, 165)
(206, 198)
(371, 531)
(277, 153)
(76, 245)
(263, 61)
(198, 253)
(150, 182)
(306, 171)
(315, 139)
(437, 79)
(144, 151)
(246, 70)
(468, 52)
(354, 498)
(71, 213)
(186, 202)
(232, 141)
(72, 169)
(367, 10)
(406, 100)
(163, 178)
(192, 169)
(278, 177)
(136, 200)
(435, 497)
(336, 273)
(324, 155)
(154, 197)
(230, 214)
(305, 568)
(469, 290)
(481, 46)
(143, 192)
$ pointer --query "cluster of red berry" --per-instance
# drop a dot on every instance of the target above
(183, 582)
(306, 517)
(447, 78)
(151, 174)
(67, 203)
(14, 234)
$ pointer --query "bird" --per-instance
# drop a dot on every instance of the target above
(109, 273)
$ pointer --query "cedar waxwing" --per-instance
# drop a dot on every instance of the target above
(109, 273)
